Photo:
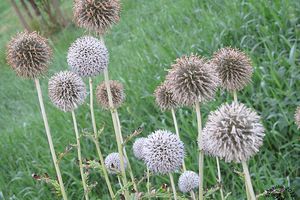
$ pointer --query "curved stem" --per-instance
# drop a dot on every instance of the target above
(193, 196)
(248, 180)
(173, 186)
(83, 178)
(220, 179)
(49, 137)
(112, 195)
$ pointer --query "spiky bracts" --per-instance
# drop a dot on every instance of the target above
(138, 148)
(28, 54)
(233, 132)
(66, 90)
(297, 117)
(112, 163)
(192, 79)
(117, 92)
(88, 56)
(163, 152)
(188, 181)
(234, 68)
(164, 97)
(96, 15)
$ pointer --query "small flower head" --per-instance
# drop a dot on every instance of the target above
(163, 152)
(188, 181)
(234, 68)
(192, 79)
(29, 54)
(66, 90)
(117, 92)
(113, 164)
(233, 132)
(138, 148)
(164, 97)
(88, 56)
(96, 15)
(297, 117)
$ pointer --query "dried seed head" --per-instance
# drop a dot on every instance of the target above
(138, 148)
(188, 181)
(96, 15)
(28, 54)
(88, 56)
(297, 117)
(192, 79)
(117, 92)
(233, 132)
(164, 97)
(66, 90)
(112, 163)
(234, 68)
(163, 152)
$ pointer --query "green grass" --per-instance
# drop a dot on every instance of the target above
(150, 36)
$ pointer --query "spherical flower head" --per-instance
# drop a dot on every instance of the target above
(164, 97)
(233, 132)
(88, 56)
(96, 15)
(192, 79)
(188, 181)
(28, 54)
(234, 68)
(163, 152)
(297, 117)
(66, 90)
(138, 148)
(113, 164)
(117, 92)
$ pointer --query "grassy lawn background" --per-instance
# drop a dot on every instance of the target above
(150, 36)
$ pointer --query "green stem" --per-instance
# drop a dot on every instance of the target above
(173, 186)
(83, 178)
(220, 179)
(100, 155)
(193, 196)
(49, 137)
(148, 182)
(248, 180)
(235, 96)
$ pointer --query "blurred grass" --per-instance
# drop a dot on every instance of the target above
(150, 36)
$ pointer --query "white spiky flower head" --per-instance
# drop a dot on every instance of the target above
(163, 152)
(88, 56)
(188, 181)
(233, 132)
(138, 148)
(113, 164)
(66, 90)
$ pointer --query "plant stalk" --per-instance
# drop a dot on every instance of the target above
(248, 180)
(193, 196)
(173, 186)
(49, 137)
(148, 182)
(220, 179)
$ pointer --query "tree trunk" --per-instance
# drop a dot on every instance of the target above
(21, 18)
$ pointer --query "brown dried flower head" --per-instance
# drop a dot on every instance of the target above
(164, 97)
(28, 54)
(96, 15)
(297, 117)
(192, 79)
(117, 91)
(234, 68)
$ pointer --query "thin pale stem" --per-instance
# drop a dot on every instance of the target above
(120, 182)
(100, 155)
(117, 131)
(235, 96)
(193, 196)
(201, 154)
(248, 180)
(247, 191)
(220, 178)
(173, 186)
(148, 182)
(49, 137)
(177, 133)
(79, 157)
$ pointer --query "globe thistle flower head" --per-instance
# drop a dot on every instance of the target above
(88, 56)
(66, 90)
(233, 132)
(192, 79)
(138, 148)
(28, 54)
(96, 15)
(297, 117)
(117, 92)
(164, 97)
(234, 68)
(188, 181)
(113, 164)
(163, 152)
